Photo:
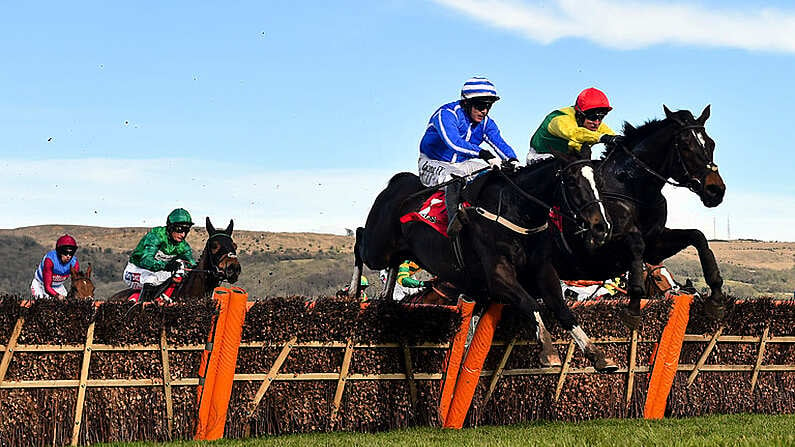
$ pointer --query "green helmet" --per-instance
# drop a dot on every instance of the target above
(179, 216)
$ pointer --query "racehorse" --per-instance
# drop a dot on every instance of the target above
(217, 263)
(504, 247)
(82, 287)
(631, 177)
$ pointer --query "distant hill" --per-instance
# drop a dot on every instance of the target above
(319, 264)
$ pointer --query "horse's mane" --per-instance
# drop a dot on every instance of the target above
(633, 134)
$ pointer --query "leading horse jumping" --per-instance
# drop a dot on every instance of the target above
(505, 250)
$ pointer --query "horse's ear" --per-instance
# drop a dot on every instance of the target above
(88, 271)
(229, 227)
(670, 115)
(704, 115)
(210, 227)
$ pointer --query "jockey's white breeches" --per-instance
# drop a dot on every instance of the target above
(433, 172)
(135, 277)
(37, 289)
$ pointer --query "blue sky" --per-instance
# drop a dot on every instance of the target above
(291, 116)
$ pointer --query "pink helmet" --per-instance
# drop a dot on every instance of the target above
(66, 241)
(592, 98)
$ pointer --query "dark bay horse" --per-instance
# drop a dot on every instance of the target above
(217, 263)
(82, 287)
(505, 250)
(631, 177)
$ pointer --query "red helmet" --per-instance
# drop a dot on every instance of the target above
(592, 98)
(66, 241)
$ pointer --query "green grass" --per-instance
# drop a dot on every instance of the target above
(724, 430)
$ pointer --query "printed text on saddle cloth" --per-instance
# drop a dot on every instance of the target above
(432, 212)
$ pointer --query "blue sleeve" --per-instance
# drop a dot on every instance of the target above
(445, 120)
(494, 139)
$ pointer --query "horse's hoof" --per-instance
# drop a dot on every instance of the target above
(600, 362)
(713, 310)
(549, 360)
(605, 365)
(632, 322)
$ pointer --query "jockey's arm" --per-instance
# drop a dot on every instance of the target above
(446, 123)
(47, 277)
(151, 243)
(187, 255)
(495, 140)
(566, 127)
(404, 276)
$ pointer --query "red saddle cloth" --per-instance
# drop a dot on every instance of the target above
(433, 212)
(135, 296)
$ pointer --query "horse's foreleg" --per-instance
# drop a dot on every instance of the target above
(631, 317)
(503, 283)
(671, 242)
(548, 284)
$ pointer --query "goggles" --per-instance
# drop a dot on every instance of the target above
(180, 229)
(481, 105)
(595, 115)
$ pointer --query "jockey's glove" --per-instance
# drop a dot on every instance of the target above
(173, 265)
(489, 158)
(611, 140)
(511, 164)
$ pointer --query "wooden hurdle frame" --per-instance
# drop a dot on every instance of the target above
(341, 377)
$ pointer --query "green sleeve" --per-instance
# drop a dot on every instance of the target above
(146, 250)
(186, 253)
(404, 276)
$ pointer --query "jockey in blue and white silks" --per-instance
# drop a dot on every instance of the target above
(451, 144)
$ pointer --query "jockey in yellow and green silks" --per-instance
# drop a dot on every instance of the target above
(573, 130)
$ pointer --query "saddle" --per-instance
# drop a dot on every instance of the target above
(433, 211)
(161, 293)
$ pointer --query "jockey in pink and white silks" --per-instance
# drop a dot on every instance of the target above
(451, 144)
(159, 253)
(54, 269)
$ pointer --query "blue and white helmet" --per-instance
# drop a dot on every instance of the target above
(479, 87)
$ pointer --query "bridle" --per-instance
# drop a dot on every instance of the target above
(678, 152)
(217, 272)
(73, 288)
(576, 214)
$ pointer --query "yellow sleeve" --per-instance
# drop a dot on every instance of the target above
(565, 126)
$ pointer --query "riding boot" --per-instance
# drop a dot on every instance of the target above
(147, 293)
(455, 216)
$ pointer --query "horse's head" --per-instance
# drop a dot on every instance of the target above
(581, 196)
(693, 164)
(82, 286)
(222, 252)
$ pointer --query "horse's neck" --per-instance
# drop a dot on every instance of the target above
(541, 184)
(625, 173)
(199, 282)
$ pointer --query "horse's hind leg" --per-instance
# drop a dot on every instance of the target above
(389, 287)
(671, 242)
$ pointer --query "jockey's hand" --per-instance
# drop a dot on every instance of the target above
(611, 140)
(60, 296)
(511, 164)
(173, 265)
(489, 158)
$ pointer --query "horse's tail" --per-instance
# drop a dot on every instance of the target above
(356, 280)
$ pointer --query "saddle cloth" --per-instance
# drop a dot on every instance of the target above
(432, 212)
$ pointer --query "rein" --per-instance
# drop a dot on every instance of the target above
(710, 165)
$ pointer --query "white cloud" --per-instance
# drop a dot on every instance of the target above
(631, 25)
(103, 192)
